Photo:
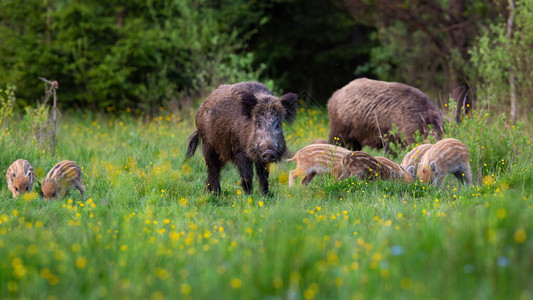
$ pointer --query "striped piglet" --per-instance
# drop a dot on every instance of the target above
(64, 176)
(447, 156)
(360, 165)
(411, 159)
(317, 159)
(390, 170)
(20, 177)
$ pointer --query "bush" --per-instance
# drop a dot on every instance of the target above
(499, 55)
(103, 53)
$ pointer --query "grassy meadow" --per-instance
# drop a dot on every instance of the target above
(148, 230)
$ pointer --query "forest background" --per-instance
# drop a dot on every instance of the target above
(150, 54)
(131, 74)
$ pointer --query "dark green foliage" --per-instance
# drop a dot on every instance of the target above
(504, 51)
(138, 53)
(144, 54)
(311, 46)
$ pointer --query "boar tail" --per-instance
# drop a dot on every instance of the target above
(193, 143)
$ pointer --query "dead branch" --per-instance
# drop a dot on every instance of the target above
(380, 135)
(52, 92)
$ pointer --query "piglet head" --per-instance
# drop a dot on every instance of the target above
(21, 185)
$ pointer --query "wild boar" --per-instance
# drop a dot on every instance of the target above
(364, 111)
(448, 156)
(62, 178)
(390, 170)
(411, 159)
(360, 165)
(242, 123)
(317, 159)
(20, 177)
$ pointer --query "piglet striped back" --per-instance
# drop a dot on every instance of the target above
(320, 154)
(390, 170)
(64, 170)
(20, 167)
(411, 159)
(360, 165)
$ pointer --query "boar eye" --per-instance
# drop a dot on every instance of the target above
(16, 189)
(258, 124)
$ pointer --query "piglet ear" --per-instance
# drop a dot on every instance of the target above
(411, 170)
(248, 102)
(433, 167)
(290, 103)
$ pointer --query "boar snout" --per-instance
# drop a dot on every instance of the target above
(268, 156)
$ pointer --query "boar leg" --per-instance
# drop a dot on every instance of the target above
(214, 165)
(292, 174)
(463, 179)
(262, 174)
(295, 174)
(459, 175)
(352, 144)
(345, 174)
(438, 179)
(308, 178)
(468, 176)
(245, 167)
(80, 188)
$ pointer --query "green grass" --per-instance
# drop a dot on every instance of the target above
(149, 230)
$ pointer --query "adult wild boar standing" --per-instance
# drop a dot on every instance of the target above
(242, 123)
(364, 111)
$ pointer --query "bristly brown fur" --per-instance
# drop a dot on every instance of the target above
(356, 110)
(448, 156)
(241, 123)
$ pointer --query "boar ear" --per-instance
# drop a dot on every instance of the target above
(248, 102)
(290, 103)
(411, 170)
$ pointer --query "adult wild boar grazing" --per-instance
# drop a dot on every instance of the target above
(242, 123)
(364, 111)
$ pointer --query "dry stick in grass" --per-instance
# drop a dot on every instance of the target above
(52, 91)
(380, 135)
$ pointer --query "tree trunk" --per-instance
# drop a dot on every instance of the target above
(48, 22)
(457, 39)
(512, 86)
